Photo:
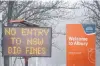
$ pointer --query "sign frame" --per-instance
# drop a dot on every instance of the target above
(50, 49)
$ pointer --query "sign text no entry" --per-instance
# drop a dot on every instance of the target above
(26, 41)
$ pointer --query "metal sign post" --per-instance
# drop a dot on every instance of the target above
(26, 61)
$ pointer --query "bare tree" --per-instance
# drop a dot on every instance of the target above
(37, 12)
(40, 13)
(92, 13)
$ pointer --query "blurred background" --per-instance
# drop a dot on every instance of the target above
(50, 13)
